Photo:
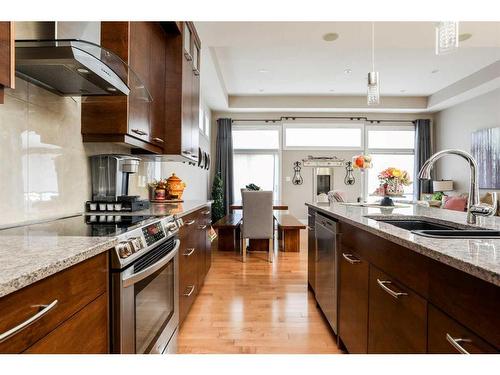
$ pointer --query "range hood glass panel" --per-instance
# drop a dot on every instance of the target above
(80, 61)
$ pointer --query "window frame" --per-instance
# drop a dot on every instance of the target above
(324, 125)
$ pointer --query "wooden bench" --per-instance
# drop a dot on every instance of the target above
(228, 229)
(288, 232)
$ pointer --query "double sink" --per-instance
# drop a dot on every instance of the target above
(427, 228)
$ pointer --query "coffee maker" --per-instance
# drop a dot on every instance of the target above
(110, 184)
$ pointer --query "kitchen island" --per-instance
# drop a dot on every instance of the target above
(399, 292)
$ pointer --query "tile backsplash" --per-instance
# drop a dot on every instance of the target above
(45, 169)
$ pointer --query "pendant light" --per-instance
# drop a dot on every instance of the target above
(446, 37)
(373, 95)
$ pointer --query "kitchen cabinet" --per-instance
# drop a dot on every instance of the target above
(182, 104)
(397, 321)
(7, 60)
(138, 119)
(353, 301)
(71, 309)
(311, 250)
(194, 257)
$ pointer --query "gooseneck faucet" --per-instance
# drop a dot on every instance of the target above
(474, 208)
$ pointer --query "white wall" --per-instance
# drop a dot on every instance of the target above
(453, 129)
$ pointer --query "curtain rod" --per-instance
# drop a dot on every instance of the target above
(351, 118)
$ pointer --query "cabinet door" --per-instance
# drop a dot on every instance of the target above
(353, 301)
(311, 250)
(186, 118)
(139, 61)
(195, 114)
(187, 41)
(397, 317)
(446, 336)
(157, 84)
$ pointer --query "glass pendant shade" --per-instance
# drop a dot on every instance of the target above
(373, 89)
(446, 37)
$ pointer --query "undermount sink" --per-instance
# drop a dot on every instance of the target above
(437, 230)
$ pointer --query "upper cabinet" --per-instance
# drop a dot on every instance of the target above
(138, 119)
(7, 68)
(182, 112)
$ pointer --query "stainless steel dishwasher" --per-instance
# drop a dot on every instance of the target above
(326, 267)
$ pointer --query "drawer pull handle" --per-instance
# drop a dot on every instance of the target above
(456, 343)
(350, 258)
(206, 213)
(383, 284)
(202, 227)
(159, 140)
(140, 132)
(189, 251)
(11, 332)
(188, 294)
(190, 222)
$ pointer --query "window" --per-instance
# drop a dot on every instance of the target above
(256, 158)
(323, 136)
(389, 146)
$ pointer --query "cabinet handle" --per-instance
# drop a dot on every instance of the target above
(383, 284)
(139, 131)
(188, 294)
(350, 258)
(205, 213)
(186, 152)
(202, 227)
(188, 56)
(455, 343)
(310, 229)
(13, 331)
(159, 140)
(189, 251)
(196, 72)
(190, 222)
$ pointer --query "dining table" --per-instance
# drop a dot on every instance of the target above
(277, 206)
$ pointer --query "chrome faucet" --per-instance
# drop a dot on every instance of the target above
(474, 207)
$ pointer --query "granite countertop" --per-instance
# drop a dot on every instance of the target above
(31, 253)
(477, 257)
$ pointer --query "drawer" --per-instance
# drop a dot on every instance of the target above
(69, 291)
(86, 332)
(445, 335)
(397, 318)
(188, 290)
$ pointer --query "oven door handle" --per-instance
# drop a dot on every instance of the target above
(141, 275)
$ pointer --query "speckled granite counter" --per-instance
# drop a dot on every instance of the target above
(33, 252)
(478, 257)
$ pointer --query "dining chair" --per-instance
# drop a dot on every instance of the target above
(258, 220)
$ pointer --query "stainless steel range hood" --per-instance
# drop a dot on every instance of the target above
(65, 58)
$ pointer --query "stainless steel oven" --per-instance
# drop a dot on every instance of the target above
(145, 289)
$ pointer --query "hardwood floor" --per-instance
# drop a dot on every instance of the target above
(256, 307)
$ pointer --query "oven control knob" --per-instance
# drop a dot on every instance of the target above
(170, 227)
(124, 249)
(135, 244)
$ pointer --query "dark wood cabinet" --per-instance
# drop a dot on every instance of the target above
(182, 91)
(7, 60)
(75, 318)
(353, 301)
(194, 257)
(138, 119)
(446, 336)
(311, 250)
(397, 321)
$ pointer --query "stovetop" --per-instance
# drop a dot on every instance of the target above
(82, 226)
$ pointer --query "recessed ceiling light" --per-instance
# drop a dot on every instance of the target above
(331, 90)
(465, 36)
(347, 71)
(261, 90)
(263, 71)
(330, 37)
(435, 71)
(402, 90)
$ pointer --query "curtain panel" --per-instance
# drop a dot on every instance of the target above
(422, 153)
(224, 159)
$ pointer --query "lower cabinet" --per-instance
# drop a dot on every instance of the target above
(353, 302)
(194, 257)
(397, 320)
(445, 336)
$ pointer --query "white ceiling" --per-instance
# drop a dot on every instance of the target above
(299, 62)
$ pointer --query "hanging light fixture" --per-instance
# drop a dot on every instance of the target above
(373, 95)
(446, 37)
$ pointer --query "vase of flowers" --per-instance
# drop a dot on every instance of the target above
(392, 183)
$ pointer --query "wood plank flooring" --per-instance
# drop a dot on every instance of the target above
(256, 307)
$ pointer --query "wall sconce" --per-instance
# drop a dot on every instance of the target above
(297, 178)
(349, 177)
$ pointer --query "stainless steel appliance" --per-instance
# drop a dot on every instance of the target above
(326, 267)
(110, 184)
(145, 289)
